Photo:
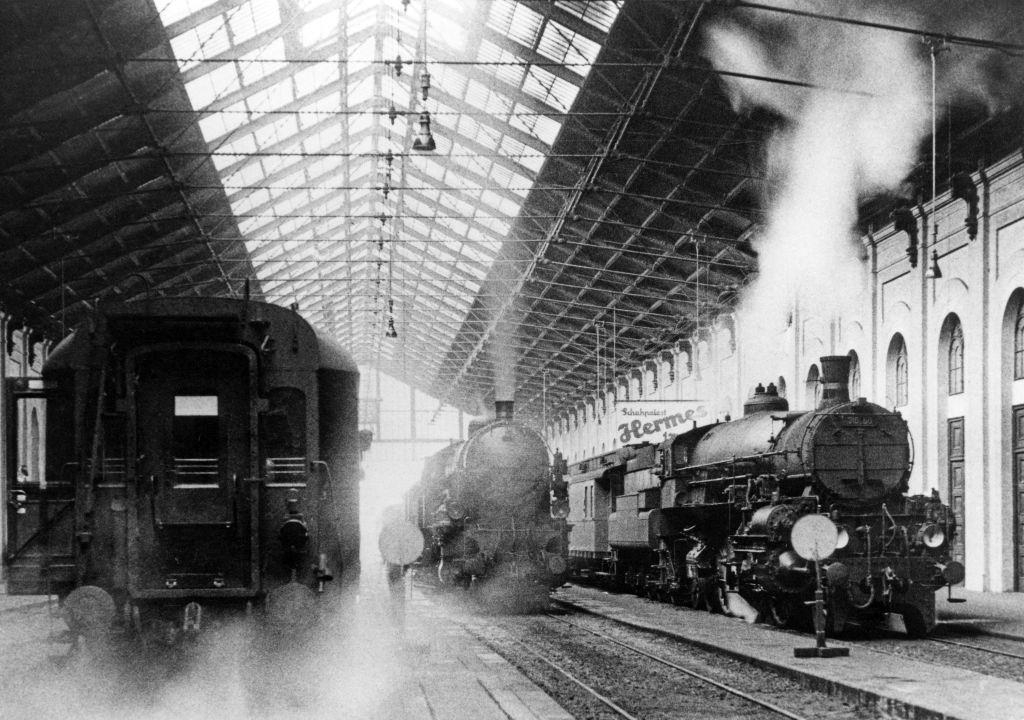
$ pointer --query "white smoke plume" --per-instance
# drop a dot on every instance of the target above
(856, 133)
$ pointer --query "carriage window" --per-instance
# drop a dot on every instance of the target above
(196, 434)
(31, 441)
(283, 435)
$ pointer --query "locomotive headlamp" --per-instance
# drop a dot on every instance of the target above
(294, 534)
(932, 535)
(842, 537)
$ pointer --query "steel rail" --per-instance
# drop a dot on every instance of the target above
(686, 671)
(993, 651)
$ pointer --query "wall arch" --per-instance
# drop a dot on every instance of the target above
(897, 373)
(1012, 427)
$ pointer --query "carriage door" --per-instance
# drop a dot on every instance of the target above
(1018, 496)
(192, 428)
(40, 503)
(955, 427)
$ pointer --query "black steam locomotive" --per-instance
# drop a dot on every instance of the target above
(492, 510)
(708, 513)
(184, 455)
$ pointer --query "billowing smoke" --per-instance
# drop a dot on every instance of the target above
(503, 356)
(856, 133)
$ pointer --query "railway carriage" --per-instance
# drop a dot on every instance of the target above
(189, 454)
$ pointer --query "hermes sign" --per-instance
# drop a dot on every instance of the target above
(650, 420)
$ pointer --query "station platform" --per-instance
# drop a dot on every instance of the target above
(900, 686)
(406, 660)
(420, 667)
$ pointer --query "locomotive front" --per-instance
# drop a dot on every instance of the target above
(493, 510)
(744, 484)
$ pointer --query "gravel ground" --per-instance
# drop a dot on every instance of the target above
(898, 645)
(976, 659)
(641, 686)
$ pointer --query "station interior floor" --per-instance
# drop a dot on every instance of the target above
(394, 656)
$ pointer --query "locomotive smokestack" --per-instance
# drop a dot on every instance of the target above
(503, 409)
(835, 380)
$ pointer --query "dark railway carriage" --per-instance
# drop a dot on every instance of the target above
(711, 511)
(492, 512)
(192, 453)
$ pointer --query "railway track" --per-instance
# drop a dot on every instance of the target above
(994, 654)
(601, 670)
(691, 673)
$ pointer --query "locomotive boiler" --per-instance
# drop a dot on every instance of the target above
(193, 455)
(492, 512)
(714, 512)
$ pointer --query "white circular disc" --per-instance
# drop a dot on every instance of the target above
(814, 537)
(400, 543)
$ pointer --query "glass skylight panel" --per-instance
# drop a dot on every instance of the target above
(509, 67)
(204, 41)
(313, 77)
(218, 82)
(564, 46)
(249, 175)
(264, 61)
(240, 145)
(252, 18)
(451, 79)
(213, 126)
(599, 13)
(323, 138)
(171, 11)
(443, 29)
(361, 92)
(522, 154)
(359, 123)
(550, 89)
(515, 20)
(498, 226)
(324, 27)
(321, 166)
(539, 126)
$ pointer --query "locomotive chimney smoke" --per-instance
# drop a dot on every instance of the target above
(503, 409)
(835, 380)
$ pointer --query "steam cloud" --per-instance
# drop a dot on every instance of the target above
(857, 133)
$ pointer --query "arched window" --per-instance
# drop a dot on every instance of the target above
(781, 386)
(956, 360)
(1018, 345)
(897, 376)
(854, 378)
(813, 386)
(902, 377)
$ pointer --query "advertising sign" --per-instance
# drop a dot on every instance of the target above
(650, 420)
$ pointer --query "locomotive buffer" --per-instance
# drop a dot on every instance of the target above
(814, 537)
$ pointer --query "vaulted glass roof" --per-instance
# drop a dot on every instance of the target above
(311, 110)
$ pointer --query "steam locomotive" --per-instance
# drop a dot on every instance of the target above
(187, 455)
(492, 511)
(707, 514)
